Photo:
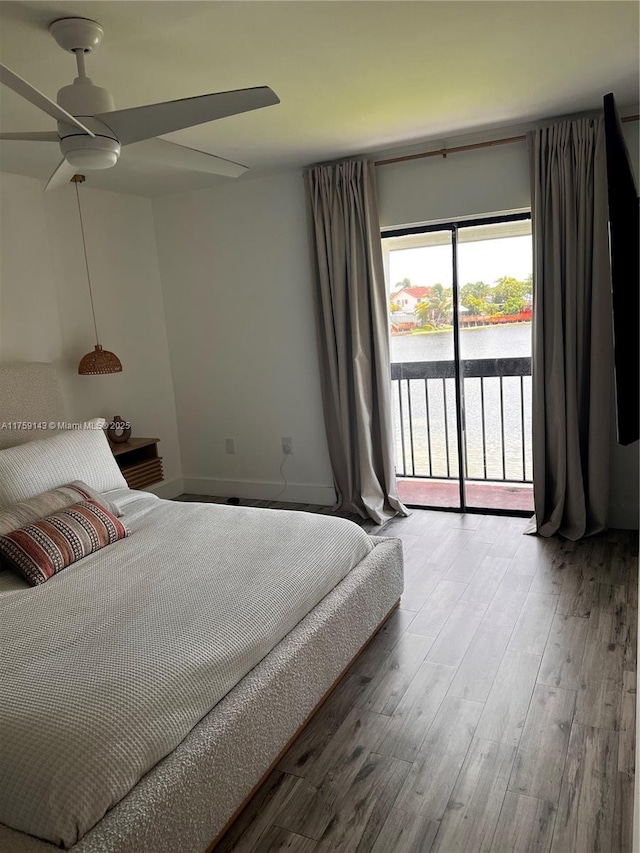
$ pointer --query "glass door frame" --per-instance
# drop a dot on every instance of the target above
(452, 227)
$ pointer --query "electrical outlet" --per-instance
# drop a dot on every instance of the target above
(287, 444)
(230, 445)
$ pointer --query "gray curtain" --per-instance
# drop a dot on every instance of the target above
(353, 336)
(572, 339)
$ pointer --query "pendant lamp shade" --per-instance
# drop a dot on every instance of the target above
(99, 361)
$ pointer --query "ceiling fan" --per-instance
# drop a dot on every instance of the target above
(91, 132)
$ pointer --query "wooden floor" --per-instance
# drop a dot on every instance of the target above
(495, 711)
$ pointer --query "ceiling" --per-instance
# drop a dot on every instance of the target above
(352, 77)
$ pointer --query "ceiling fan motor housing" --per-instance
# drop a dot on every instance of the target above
(84, 100)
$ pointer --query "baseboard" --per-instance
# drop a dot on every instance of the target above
(303, 493)
(168, 489)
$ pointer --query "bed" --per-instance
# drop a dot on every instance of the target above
(178, 663)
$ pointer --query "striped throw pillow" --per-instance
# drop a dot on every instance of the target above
(42, 549)
(33, 509)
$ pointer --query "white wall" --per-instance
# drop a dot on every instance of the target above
(238, 298)
(29, 321)
(470, 183)
(45, 312)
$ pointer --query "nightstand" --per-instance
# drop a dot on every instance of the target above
(139, 461)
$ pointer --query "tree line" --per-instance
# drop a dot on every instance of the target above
(506, 297)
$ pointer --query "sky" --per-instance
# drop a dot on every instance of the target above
(485, 260)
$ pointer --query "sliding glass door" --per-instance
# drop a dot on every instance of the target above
(495, 301)
(460, 307)
(423, 366)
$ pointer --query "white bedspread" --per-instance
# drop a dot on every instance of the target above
(105, 668)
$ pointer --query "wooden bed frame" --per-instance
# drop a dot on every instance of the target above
(219, 837)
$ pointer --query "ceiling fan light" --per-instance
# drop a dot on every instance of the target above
(86, 159)
(84, 153)
(99, 361)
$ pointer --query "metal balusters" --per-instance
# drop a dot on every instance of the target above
(413, 455)
(404, 457)
(436, 462)
(482, 421)
(504, 458)
(524, 457)
(446, 426)
(426, 402)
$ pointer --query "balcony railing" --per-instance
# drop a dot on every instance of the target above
(496, 417)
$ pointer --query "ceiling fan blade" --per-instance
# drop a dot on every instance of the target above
(138, 123)
(31, 94)
(167, 153)
(37, 136)
(61, 177)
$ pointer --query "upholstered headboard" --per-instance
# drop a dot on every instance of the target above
(29, 393)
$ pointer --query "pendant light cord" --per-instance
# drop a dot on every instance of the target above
(86, 262)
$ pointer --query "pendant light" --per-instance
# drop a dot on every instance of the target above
(100, 360)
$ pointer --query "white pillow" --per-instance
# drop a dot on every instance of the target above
(37, 466)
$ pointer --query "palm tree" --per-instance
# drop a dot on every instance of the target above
(423, 313)
(439, 305)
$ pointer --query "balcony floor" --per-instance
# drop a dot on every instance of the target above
(445, 493)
